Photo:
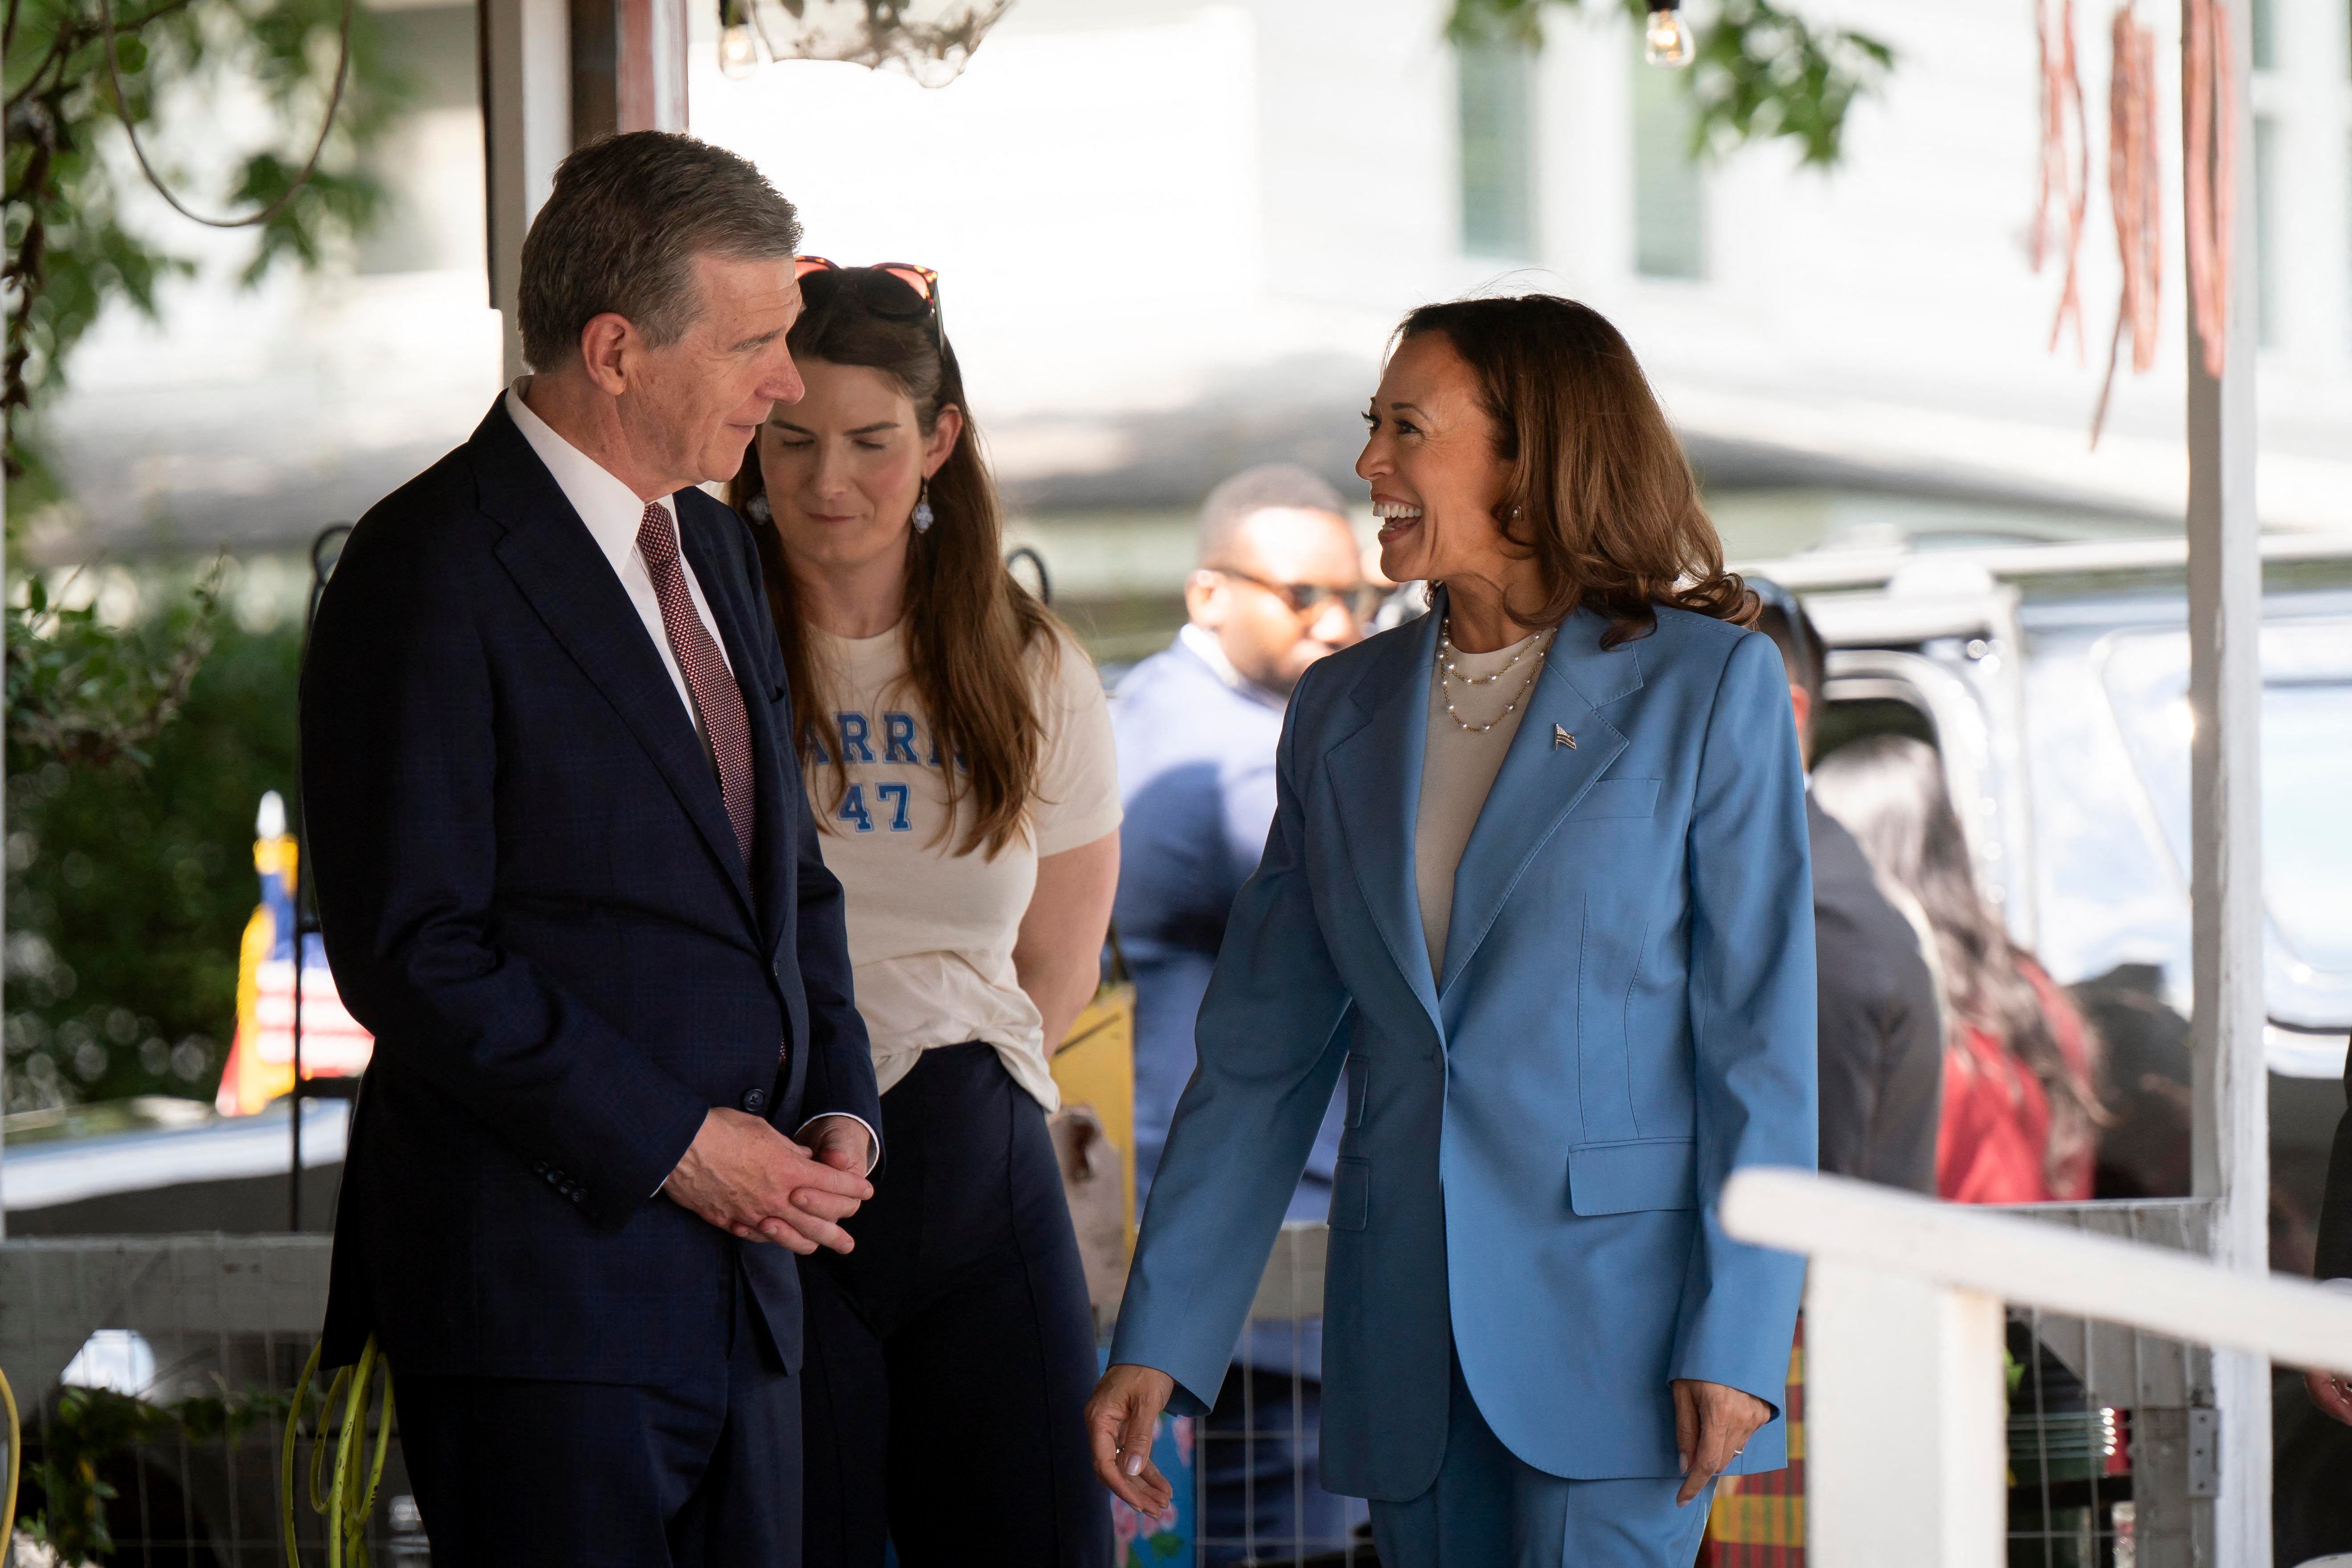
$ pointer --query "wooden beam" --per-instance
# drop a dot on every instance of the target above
(629, 67)
(2231, 1126)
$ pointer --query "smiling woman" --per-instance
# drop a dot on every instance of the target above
(1518, 455)
(1537, 890)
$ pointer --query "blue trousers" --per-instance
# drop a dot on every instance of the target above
(1490, 1509)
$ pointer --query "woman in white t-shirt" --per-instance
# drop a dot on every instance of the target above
(957, 748)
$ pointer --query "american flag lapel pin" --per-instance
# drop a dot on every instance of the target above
(1560, 737)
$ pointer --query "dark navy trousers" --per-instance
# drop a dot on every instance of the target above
(949, 1358)
(698, 1473)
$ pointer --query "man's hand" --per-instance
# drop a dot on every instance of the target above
(2332, 1392)
(1712, 1423)
(1120, 1419)
(753, 1182)
(841, 1142)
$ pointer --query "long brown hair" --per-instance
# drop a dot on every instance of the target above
(1604, 501)
(977, 642)
(1888, 791)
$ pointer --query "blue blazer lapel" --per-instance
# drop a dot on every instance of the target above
(1376, 779)
(548, 551)
(1542, 778)
(775, 766)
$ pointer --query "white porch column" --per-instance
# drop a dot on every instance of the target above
(1931, 1489)
(2233, 1112)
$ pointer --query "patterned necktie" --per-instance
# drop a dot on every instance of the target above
(716, 696)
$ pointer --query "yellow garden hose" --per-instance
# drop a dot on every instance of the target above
(342, 1499)
(15, 1459)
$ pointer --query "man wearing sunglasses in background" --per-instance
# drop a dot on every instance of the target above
(1280, 583)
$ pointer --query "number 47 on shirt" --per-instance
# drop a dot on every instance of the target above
(893, 796)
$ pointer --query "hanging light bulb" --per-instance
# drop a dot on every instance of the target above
(739, 46)
(1667, 39)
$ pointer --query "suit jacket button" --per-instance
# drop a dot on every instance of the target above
(755, 1101)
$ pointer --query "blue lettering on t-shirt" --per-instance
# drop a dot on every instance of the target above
(898, 737)
(852, 737)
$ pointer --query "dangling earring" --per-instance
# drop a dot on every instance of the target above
(923, 518)
(759, 509)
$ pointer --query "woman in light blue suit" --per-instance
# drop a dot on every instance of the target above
(1538, 890)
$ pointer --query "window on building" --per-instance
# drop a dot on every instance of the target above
(1496, 93)
(1669, 206)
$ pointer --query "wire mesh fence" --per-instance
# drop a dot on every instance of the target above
(2113, 1437)
(156, 1374)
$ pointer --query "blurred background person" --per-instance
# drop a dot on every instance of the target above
(2020, 1114)
(1279, 585)
(1882, 1050)
(956, 744)
(2329, 1391)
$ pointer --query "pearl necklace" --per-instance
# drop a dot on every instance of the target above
(1445, 651)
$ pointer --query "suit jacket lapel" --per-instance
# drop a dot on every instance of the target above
(1375, 774)
(548, 551)
(1541, 778)
(775, 766)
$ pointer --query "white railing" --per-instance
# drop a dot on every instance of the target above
(1904, 1303)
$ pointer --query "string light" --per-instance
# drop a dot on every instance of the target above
(1667, 39)
(739, 45)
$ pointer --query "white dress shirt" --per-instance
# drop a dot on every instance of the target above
(614, 514)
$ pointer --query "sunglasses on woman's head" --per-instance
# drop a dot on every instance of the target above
(879, 296)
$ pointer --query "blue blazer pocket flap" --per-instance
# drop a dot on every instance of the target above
(1618, 798)
(1624, 1178)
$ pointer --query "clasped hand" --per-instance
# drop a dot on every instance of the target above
(750, 1181)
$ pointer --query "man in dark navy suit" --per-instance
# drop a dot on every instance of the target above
(568, 877)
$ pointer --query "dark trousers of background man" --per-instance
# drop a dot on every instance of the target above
(950, 1356)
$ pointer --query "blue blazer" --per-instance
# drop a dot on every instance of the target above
(531, 894)
(1536, 1137)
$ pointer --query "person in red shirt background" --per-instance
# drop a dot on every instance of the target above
(2020, 1113)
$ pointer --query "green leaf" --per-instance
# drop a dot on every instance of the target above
(1762, 73)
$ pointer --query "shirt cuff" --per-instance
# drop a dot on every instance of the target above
(873, 1139)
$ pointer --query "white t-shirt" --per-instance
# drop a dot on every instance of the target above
(931, 929)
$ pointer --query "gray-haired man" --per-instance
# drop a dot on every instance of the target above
(568, 877)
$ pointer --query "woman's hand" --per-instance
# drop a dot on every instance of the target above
(1120, 1419)
(1712, 1423)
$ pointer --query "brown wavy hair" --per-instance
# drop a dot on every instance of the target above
(978, 643)
(1604, 501)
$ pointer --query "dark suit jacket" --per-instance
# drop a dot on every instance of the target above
(2335, 1255)
(532, 895)
(1882, 1044)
